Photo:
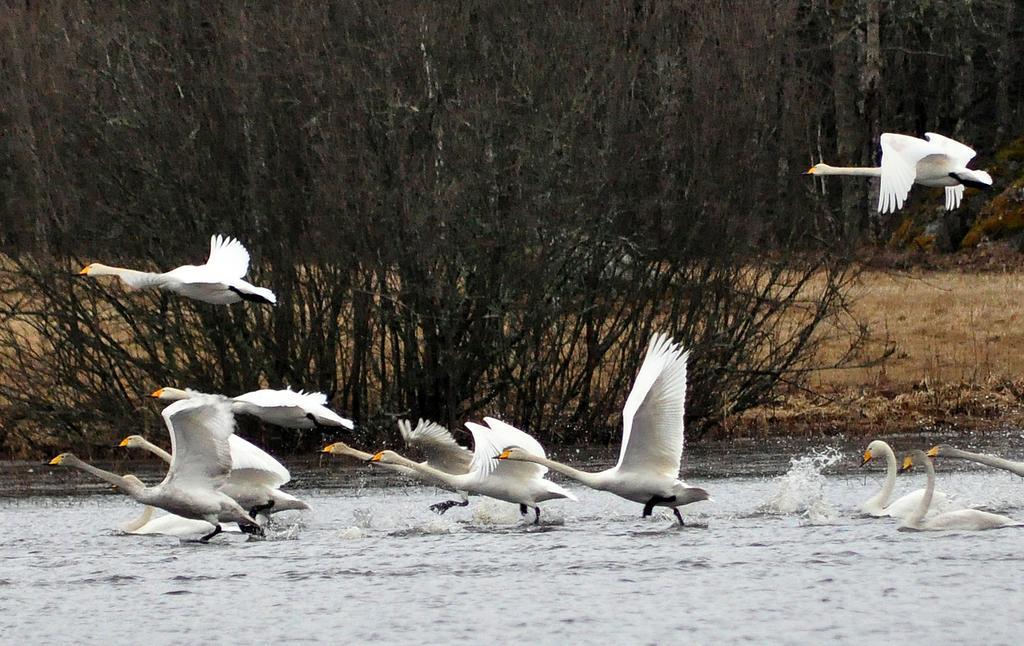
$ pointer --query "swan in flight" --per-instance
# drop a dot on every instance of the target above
(879, 505)
(255, 479)
(285, 408)
(436, 444)
(932, 161)
(168, 524)
(652, 437)
(219, 281)
(200, 464)
(522, 483)
(962, 519)
(945, 451)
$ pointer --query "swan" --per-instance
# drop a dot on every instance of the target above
(285, 408)
(219, 281)
(878, 505)
(436, 443)
(168, 524)
(932, 161)
(945, 451)
(652, 437)
(962, 519)
(516, 482)
(201, 461)
(255, 479)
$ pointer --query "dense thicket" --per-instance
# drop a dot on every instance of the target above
(465, 208)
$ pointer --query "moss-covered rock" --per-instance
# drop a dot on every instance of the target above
(1002, 217)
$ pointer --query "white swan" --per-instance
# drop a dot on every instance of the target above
(945, 451)
(652, 437)
(201, 461)
(255, 479)
(522, 483)
(436, 443)
(219, 281)
(933, 161)
(168, 524)
(285, 408)
(962, 519)
(879, 505)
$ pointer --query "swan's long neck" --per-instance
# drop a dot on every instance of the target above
(592, 480)
(825, 169)
(457, 482)
(156, 450)
(915, 518)
(132, 488)
(881, 499)
(134, 525)
(341, 448)
(983, 458)
(134, 278)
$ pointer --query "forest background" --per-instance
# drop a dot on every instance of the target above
(487, 208)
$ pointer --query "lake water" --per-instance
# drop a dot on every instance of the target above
(775, 557)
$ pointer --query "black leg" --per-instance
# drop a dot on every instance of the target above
(522, 509)
(252, 530)
(261, 508)
(649, 507)
(440, 507)
(216, 530)
(679, 516)
(536, 521)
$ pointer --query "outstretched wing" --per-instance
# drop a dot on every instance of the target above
(958, 152)
(228, 258)
(302, 403)
(953, 196)
(199, 427)
(437, 445)
(252, 465)
(900, 155)
(652, 419)
(492, 439)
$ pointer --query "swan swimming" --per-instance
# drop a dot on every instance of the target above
(879, 505)
(521, 483)
(962, 519)
(946, 451)
(286, 408)
(933, 161)
(652, 437)
(219, 281)
(436, 443)
(200, 463)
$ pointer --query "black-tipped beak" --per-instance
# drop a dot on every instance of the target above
(864, 461)
(903, 470)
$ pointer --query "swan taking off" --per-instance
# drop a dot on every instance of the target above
(255, 479)
(436, 443)
(200, 463)
(932, 161)
(652, 437)
(945, 451)
(962, 519)
(879, 505)
(521, 483)
(285, 408)
(219, 281)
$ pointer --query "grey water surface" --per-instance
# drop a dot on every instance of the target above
(777, 557)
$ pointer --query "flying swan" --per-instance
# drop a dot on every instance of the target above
(436, 443)
(933, 161)
(219, 281)
(168, 524)
(652, 437)
(255, 479)
(945, 451)
(962, 519)
(878, 505)
(285, 408)
(200, 464)
(516, 482)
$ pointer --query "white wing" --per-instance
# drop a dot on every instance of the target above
(953, 196)
(199, 427)
(437, 445)
(900, 155)
(958, 152)
(270, 398)
(228, 258)
(252, 465)
(491, 440)
(652, 419)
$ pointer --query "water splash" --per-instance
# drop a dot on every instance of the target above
(801, 490)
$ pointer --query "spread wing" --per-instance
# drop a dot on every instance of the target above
(652, 419)
(272, 398)
(958, 152)
(953, 196)
(492, 439)
(900, 155)
(437, 445)
(199, 427)
(228, 258)
(252, 465)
